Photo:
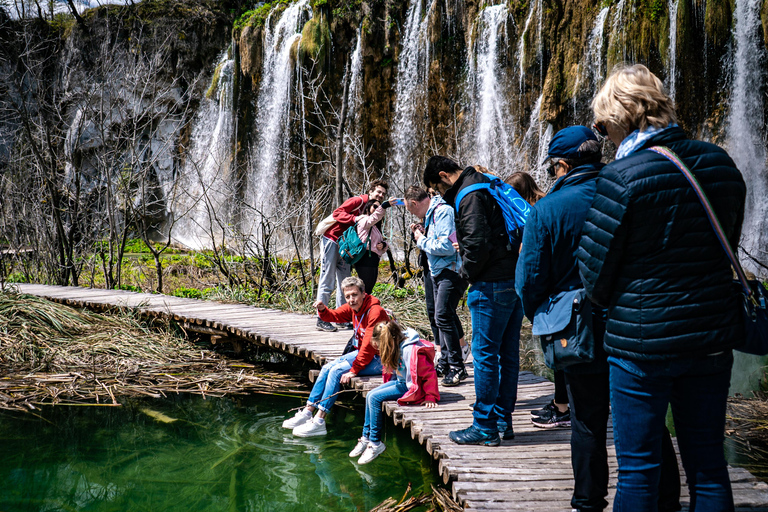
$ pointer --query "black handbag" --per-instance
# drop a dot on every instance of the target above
(752, 291)
(564, 326)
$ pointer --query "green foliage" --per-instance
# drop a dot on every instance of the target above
(62, 23)
(316, 38)
(188, 293)
(214, 81)
(17, 277)
(346, 8)
(129, 288)
(257, 17)
(318, 3)
(655, 9)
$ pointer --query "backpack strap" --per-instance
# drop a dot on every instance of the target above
(466, 190)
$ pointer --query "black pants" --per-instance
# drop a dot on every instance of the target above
(561, 393)
(448, 288)
(589, 399)
(368, 270)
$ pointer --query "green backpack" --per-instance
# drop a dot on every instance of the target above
(351, 248)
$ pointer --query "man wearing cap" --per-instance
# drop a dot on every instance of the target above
(547, 266)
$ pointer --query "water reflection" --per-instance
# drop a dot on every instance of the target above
(194, 454)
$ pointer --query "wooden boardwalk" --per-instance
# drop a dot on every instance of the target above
(532, 472)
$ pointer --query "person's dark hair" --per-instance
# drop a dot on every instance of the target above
(367, 210)
(526, 186)
(378, 183)
(592, 152)
(436, 165)
(415, 193)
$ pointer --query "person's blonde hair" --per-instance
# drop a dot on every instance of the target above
(633, 98)
(388, 336)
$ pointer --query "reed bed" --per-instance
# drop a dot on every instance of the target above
(747, 418)
(55, 354)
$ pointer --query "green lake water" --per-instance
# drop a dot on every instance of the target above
(219, 455)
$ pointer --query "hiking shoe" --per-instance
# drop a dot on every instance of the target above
(359, 448)
(325, 326)
(371, 452)
(473, 435)
(505, 430)
(465, 351)
(311, 429)
(441, 370)
(546, 410)
(455, 376)
(300, 418)
(344, 326)
(555, 420)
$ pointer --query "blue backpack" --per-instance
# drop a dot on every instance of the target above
(514, 208)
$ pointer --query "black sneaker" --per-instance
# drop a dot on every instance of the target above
(546, 410)
(441, 370)
(325, 326)
(344, 326)
(473, 435)
(505, 430)
(555, 420)
(455, 376)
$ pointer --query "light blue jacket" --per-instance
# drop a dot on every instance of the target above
(440, 224)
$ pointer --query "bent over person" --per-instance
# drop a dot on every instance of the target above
(649, 254)
(333, 269)
(364, 311)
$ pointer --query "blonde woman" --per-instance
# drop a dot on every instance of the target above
(649, 254)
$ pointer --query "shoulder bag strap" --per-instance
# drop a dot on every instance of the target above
(711, 215)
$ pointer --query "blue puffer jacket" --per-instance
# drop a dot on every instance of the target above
(649, 254)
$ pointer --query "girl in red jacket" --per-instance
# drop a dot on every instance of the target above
(411, 359)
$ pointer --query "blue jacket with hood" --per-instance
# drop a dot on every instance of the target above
(439, 222)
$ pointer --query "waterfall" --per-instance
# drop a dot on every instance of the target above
(266, 184)
(618, 35)
(672, 57)
(204, 186)
(746, 137)
(591, 72)
(535, 6)
(533, 149)
(410, 97)
(491, 140)
(353, 138)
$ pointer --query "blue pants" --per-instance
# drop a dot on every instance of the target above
(697, 389)
(391, 390)
(497, 315)
(328, 382)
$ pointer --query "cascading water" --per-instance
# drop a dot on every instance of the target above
(410, 97)
(746, 137)
(492, 136)
(353, 147)
(533, 149)
(200, 203)
(535, 7)
(672, 56)
(591, 72)
(266, 186)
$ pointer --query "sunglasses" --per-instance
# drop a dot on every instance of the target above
(600, 129)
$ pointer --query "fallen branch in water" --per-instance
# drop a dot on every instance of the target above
(440, 499)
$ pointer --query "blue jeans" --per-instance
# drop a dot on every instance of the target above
(391, 390)
(697, 389)
(327, 382)
(497, 315)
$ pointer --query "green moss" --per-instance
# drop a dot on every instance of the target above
(346, 8)
(717, 21)
(214, 81)
(62, 23)
(654, 9)
(257, 17)
(188, 293)
(315, 38)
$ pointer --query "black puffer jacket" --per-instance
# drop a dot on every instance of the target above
(649, 253)
(486, 253)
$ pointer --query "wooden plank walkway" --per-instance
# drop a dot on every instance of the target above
(532, 472)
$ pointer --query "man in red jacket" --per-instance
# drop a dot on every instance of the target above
(365, 312)
(332, 267)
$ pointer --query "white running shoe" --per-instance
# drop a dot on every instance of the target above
(371, 452)
(310, 429)
(359, 448)
(465, 351)
(300, 418)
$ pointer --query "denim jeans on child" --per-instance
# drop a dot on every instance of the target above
(697, 389)
(391, 390)
(328, 382)
(496, 318)
(333, 270)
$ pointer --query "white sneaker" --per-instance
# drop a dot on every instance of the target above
(371, 452)
(359, 448)
(300, 418)
(465, 351)
(310, 429)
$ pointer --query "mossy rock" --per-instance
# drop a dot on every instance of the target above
(209, 94)
(315, 38)
(718, 20)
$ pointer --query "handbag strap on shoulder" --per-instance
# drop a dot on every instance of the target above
(711, 215)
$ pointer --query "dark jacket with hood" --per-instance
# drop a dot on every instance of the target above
(486, 253)
(548, 263)
(649, 254)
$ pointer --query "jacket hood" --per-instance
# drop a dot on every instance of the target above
(577, 175)
(433, 203)
(411, 337)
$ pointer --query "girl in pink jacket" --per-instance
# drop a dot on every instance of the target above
(369, 230)
(408, 358)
